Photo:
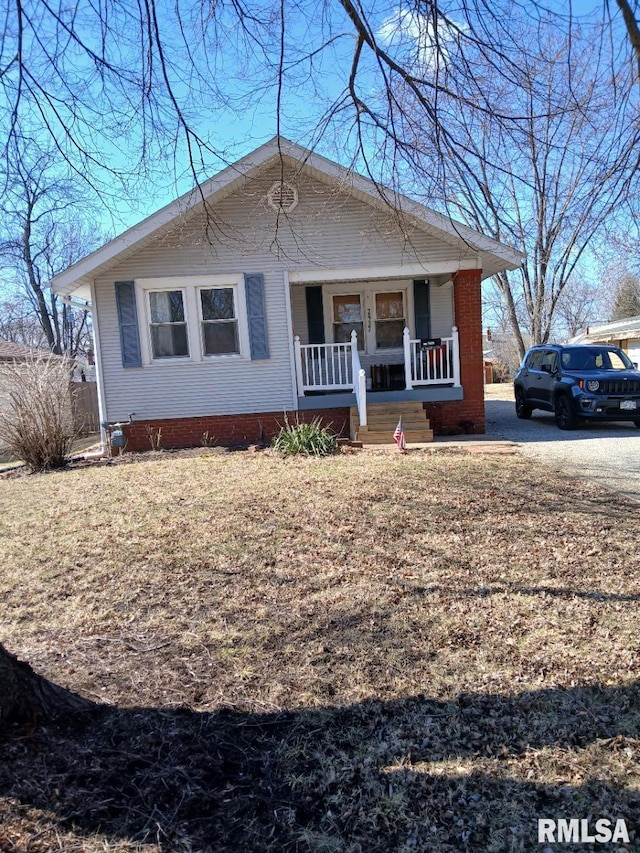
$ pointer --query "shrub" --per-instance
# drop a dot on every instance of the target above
(308, 439)
(36, 423)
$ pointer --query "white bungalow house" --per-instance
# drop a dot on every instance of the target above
(287, 283)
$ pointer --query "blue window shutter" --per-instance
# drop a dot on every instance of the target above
(128, 322)
(256, 314)
(422, 308)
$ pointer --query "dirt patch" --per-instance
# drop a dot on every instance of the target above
(499, 391)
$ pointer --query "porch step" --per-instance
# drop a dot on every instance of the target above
(382, 419)
(414, 436)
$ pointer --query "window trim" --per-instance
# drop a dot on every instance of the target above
(191, 285)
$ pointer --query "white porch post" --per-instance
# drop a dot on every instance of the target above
(362, 397)
(298, 360)
(359, 379)
(455, 347)
(406, 340)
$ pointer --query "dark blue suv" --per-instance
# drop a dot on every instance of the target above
(591, 382)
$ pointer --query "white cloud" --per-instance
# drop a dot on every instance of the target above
(410, 31)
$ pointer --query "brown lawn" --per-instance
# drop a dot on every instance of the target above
(373, 652)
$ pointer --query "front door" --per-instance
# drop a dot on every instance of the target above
(377, 316)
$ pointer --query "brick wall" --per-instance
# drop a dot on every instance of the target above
(226, 430)
(465, 415)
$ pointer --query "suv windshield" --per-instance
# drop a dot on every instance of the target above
(594, 358)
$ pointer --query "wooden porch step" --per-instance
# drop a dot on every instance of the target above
(410, 436)
(382, 420)
(412, 419)
(400, 408)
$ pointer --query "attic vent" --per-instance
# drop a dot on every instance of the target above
(283, 197)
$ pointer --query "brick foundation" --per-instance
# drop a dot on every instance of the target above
(226, 430)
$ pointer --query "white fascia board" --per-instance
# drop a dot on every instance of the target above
(629, 327)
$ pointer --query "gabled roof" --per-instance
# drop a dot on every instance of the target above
(497, 256)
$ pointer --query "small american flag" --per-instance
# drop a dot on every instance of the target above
(398, 436)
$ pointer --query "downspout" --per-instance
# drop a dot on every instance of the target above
(88, 306)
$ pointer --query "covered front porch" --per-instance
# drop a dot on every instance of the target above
(329, 375)
(375, 338)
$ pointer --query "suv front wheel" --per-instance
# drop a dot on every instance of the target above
(565, 414)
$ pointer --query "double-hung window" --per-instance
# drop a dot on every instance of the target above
(168, 325)
(193, 318)
(219, 321)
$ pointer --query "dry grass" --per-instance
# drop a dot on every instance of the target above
(373, 652)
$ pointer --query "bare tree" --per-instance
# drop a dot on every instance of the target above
(626, 297)
(42, 233)
(548, 182)
(126, 89)
(19, 324)
(27, 696)
(580, 305)
(152, 79)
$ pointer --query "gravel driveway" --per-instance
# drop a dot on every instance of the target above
(606, 453)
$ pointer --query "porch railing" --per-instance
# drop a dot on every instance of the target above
(323, 367)
(337, 367)
(332, 367)
(427, 363)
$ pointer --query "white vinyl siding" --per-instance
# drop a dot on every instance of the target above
(327, 229)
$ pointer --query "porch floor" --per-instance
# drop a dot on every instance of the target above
(424, 394)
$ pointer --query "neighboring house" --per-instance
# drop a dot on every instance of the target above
(286, 283)
(83, 398)
(12, 355)
(501, 355)
(623, 333)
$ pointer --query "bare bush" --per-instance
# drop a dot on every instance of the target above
(36, 423)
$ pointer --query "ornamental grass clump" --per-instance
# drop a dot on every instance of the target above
(306, 439)
(36, 422)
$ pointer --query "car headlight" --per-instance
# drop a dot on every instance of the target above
(592, 385)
